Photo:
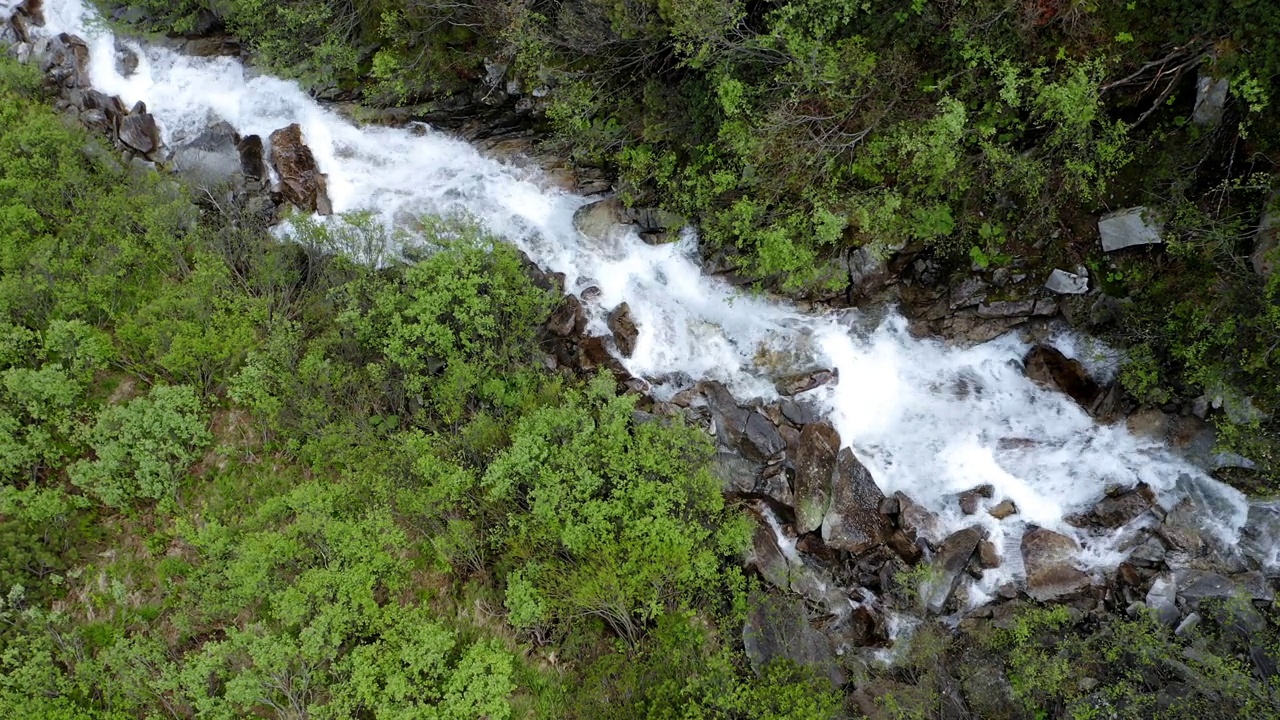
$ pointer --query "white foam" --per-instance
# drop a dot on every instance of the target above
(928, 419)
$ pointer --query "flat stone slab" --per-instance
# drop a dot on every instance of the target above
(1129, 228)
(1067, 283)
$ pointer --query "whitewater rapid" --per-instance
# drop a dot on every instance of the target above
(925, 418)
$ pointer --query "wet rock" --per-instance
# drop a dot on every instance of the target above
(1187, 626)
(211, 157)
(568, 319)
(33, 10)
(211, 46)
(949, 562)
(1181, 529)
(761, 439)
(815, 464)
(1067, 283)
(777, 487)
(970, 500)
(600, 219)
(1048, 367)
(806, 381)
(66, 61)
(139, 132)
(1211, 100)
(853, 522)
(301, 182)
(988, 555)
(914, 518)
(988, 691)
(252, 164)
(768, 558)
(1260, 536)
(1129, 228)
(624, 329)
(778, 628)
(1003, 509)
(1195, 586)
(1121, 507)
(905, 546)
(1049, 558)
(1149, 554)
(971, 291)
(660, 224)
(800, 413)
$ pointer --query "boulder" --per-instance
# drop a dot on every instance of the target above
(737, 428)
(970, 500)
(761, 439)
(211, 157)
(1067, 283)
(1260, 536)
(1047, 366)
(252, 164)
(736, 473)
(624, 329)
(67, 61)
(1162, 600)
(1129, 228)
(139, 132)
(1049, 558)
(301, 182)
(1211, 100)
(1003, 509)
(1123, 506)
(815, 464)
(949, 562)
(803, 382)
(988, 555)
(1197, 585)
(33, 10)
(777, 628)
(600, 219)
(568, 319)
(853, 521)
(914, 518)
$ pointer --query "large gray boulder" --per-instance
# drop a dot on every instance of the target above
(599, 220)
(853, 522)
(1129, 228)
(210, 158)
(1067, 283)
(1049, 559)
(1211, 100)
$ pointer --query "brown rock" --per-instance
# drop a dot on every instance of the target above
(815, 464)
(625, 331)
(597, 220)
(67, 61)
(1049, 367)
(971, 499)
(914, 518)
(1003, 509)
(804, 382)
(988, 556)
(301, 182)
(139, 132)
(1049, 558)
(906, 548)
(1120, 508)
(853, 523)
(569, 318)
(33, 9)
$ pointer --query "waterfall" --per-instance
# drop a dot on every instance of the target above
(926, 418)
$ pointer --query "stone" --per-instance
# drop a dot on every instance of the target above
(815, 465)
(1067, 283)
(1150, 554)
(139, 132)
(805, 381)
(1003, 509)
(211, 46)
(33, 9)
(301, 182)
(1007, 309)
(988, 555)
(949, 562)
(761, 439)
(777, 487)
(1211, 100)
(1129, 228)
(1188, 625)
(971, 291)
(1162, 600)
(736, 473)
(777, 628)
(970, 500)
(768, 557)
(1197, 585)
(252, 164)
(67, 61)
(568, 319)
(211, 157)
(1048, 367)
(914, 518)
(1123, 507)
(655, 221)
(624, 329)
(600, 219)
(1260, 536)
(800, 413)
(1049, 559)
(853, 521)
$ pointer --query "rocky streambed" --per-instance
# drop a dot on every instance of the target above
(805, 439)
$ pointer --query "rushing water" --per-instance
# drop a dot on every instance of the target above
(925, 418)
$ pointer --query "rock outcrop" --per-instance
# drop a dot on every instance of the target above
(300, 181)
